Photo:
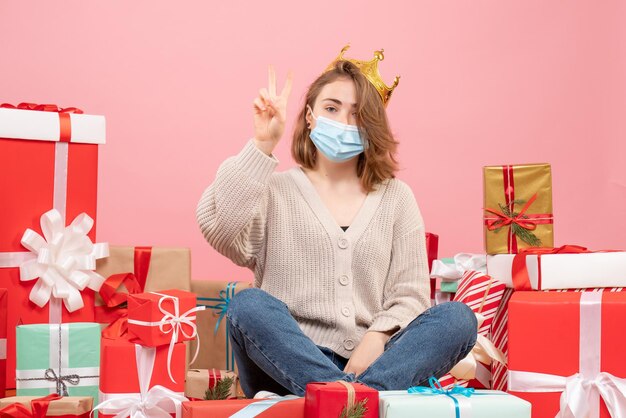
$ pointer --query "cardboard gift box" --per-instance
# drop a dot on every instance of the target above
(433, 404)
(483, 294)
(48, 160)
(148, 268)
(330, 399)
(567, 267)
(60, 358)
(260, 408)
(566, 352)
(518, 207)
(141, 375)
(162, 318)
(49, 406)
(201, 381)
(213, 334)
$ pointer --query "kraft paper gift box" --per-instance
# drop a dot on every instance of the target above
(152, 269)
(483, 294)
(162, 318)
(567, 267)
(517, 207)
(215, 351)
(481, 403)
(48, 160)
(566, 352)
(199, 381)
(49, 406)
(259, 408)
(329, 399)
(136, 374)
(61, 358)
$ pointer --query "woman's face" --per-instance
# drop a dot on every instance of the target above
(336, 101)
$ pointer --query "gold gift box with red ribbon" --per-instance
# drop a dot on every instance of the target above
(517, 207)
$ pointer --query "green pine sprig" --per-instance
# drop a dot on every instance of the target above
(358, 410)
(221, 390)
(522, 233)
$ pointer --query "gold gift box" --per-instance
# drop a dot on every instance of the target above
(197, 382)
(213, 354)
(68, 405)
(522, 183)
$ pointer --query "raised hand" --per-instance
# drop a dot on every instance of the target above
(270, 113)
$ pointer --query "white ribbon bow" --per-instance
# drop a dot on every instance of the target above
(484, 352)
(172, 322)
(157, 402)
(63, 260)
(462, 263)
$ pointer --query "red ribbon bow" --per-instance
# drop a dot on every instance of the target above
(502, 220)
(113, 298)
(65, 123)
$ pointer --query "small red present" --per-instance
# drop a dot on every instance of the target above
(135, 375)
(326, 400)
(4, 294)
(265, 408)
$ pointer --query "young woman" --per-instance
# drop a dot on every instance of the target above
(337, 246)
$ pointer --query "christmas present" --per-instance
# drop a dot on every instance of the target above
(285, 407)
(211, 384)
(566, 267)
(3, 340)
(457, 402)
(138, 376)
(432, 250)
(500, 338)
(518, 207)
(333, 399)
(50, 406)
(482, 294)
(60, 358)
(48, 160)
(137, 270)
(450, 270)
(566, 352)
(213, 332)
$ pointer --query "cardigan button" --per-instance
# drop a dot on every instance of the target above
(345, 311)
(344, 280)
(348, 345)
(343, 243)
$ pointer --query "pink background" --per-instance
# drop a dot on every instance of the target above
(483, 82)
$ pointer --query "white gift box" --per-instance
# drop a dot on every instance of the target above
(564, 271)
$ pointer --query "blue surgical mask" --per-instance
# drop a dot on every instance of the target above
(337, 141)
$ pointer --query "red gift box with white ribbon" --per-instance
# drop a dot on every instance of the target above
(49, 171)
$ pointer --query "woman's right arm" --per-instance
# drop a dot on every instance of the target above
(231, 212)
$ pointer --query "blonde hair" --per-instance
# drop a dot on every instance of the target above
(378, 162)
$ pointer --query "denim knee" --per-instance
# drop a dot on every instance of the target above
(241, 304)
(462, 321)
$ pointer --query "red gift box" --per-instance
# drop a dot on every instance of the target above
(432, 251)
(329, 399)
(40, 172)
(483, 294)
(158, 318)
(568, 347)
(132, 373)
(283, 408)
(3, 340)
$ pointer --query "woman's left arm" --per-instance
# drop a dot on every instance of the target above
(406, 292)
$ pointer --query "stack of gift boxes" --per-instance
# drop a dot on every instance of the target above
(118, 331)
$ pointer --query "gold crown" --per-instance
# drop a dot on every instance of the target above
(370, 70)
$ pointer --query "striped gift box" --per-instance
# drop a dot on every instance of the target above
(483, 295)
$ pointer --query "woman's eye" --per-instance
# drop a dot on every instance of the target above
(331, 109)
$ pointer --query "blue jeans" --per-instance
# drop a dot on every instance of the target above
(273, 354)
